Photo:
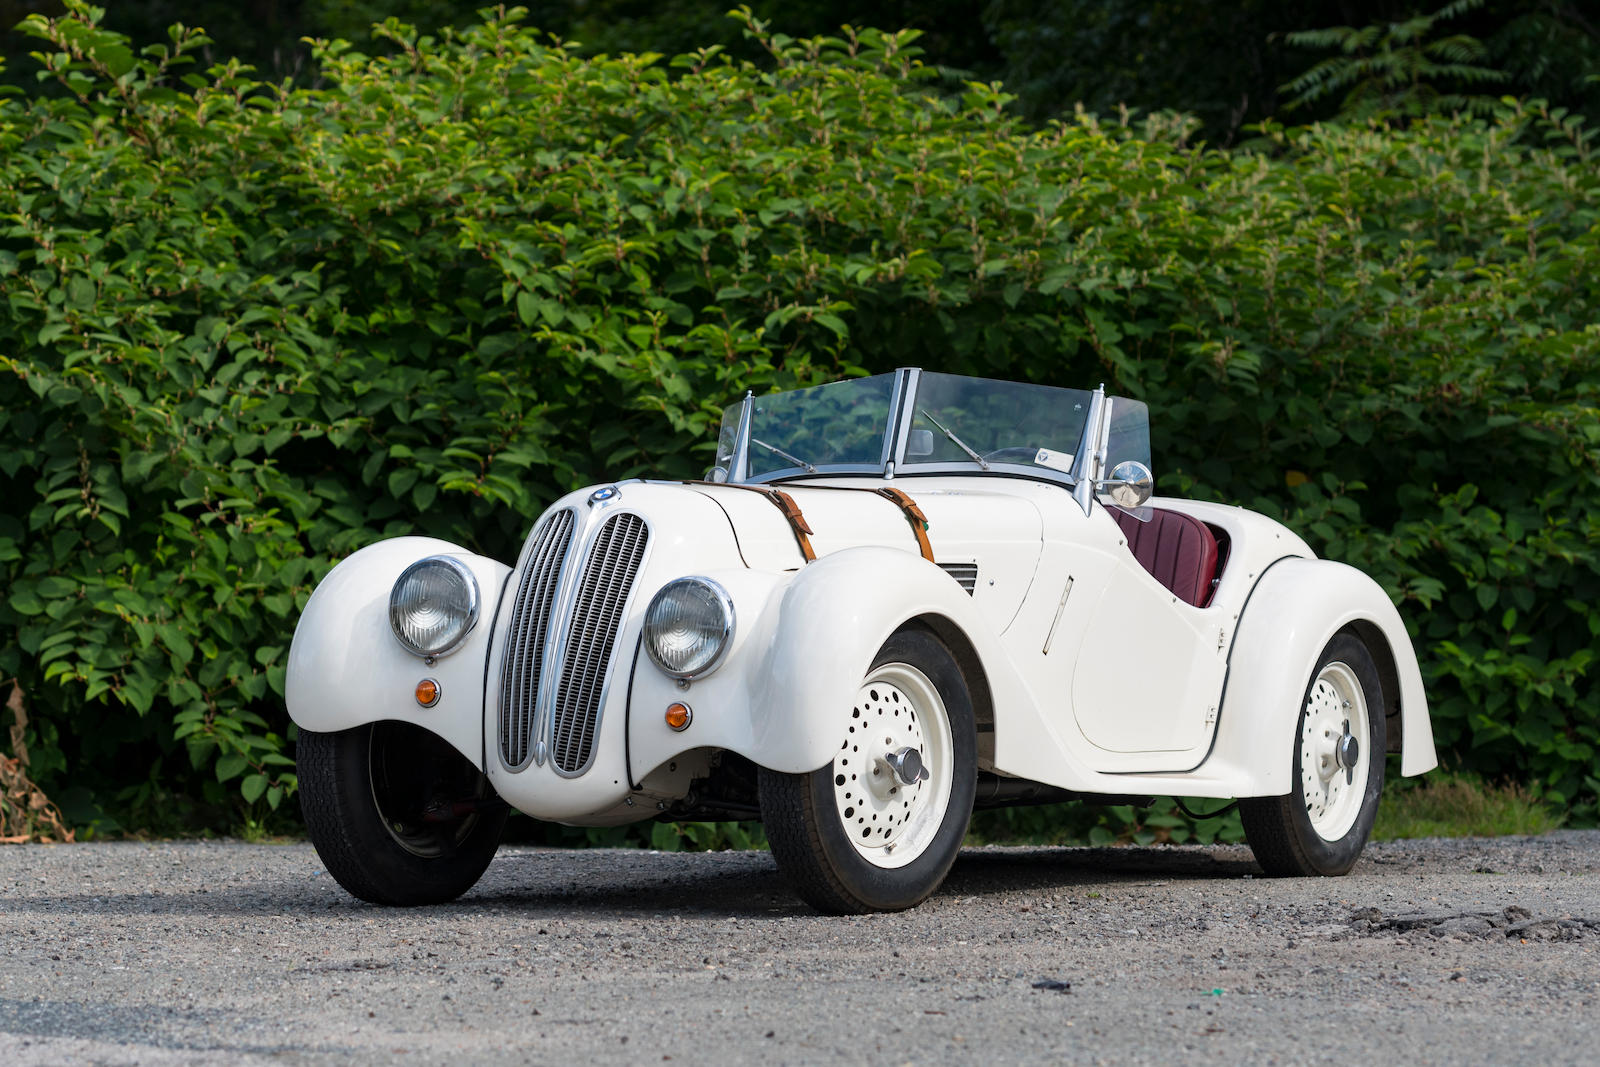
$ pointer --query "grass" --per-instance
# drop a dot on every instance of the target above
(1457, 805)
(1442, 804)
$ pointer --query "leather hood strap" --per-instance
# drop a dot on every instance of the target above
(797, 521)
(802, 529)
(784, 503)
(914, 516)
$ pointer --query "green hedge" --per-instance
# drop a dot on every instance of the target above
(246, 330)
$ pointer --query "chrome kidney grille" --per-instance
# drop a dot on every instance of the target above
(566, 611)
(525, 637)
(607, 579)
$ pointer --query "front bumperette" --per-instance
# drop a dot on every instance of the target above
(346, 667)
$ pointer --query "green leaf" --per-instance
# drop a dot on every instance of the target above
(54, 587)
(401, 480)
(26, 602)
(230, 766)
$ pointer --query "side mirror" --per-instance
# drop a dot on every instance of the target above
(716, 474)
(1130, 484)
(919, 443)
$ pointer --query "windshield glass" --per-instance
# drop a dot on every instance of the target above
(842, 424)
(969, 420)
(948, 422)
(1128, 433)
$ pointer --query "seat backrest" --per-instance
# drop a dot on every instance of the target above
(1177, 549)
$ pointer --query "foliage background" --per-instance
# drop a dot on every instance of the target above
(246, 328)
(1224, 63)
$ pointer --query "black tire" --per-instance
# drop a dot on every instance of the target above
(366, 794)
(1280, 829)
(807, 829)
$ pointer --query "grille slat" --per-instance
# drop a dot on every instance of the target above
(525, 637)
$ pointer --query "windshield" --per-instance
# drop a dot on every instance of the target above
(842, 424)
(920, 421)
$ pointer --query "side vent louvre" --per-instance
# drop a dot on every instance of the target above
(965, 574)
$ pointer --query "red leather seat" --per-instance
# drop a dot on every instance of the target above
(1178, 550)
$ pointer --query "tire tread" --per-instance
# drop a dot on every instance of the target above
(791, 821)
(355, 846)
(322, 802)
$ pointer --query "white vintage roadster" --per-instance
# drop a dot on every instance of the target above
(892, 600)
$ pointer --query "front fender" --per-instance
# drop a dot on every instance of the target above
(833, 619)
(346, 668)
(783, 698)
(1297, 606)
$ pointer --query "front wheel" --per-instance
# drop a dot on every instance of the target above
(879, 827)
(397, 816)
(1321, 827)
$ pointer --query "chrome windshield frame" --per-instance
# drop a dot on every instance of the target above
(897, 432)
(901, 411)
(1090, 458)
(739, 465)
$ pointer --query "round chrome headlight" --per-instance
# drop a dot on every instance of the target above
(433, 605)
(688, 626)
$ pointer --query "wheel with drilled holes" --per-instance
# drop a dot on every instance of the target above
(397, 815)
(878, 828)
(1321, 826)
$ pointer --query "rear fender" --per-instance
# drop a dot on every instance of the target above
(1296, 608)
(347, 669)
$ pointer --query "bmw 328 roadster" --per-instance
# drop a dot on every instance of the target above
(892, 600)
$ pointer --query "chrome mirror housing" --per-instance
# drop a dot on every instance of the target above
(1130, 484)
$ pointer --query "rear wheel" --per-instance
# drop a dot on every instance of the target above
(1322, 825)
(879, 827)
(397, 815)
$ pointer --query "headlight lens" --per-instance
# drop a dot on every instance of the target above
(688, 626)
(433, 605)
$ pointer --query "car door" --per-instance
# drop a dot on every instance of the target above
(1148, 674)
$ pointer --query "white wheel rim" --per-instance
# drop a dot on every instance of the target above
(887, 821)
(1334, 792)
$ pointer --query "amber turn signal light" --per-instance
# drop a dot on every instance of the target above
(427, 692)
(679, 716)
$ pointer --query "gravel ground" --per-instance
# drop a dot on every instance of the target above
(1451, 952)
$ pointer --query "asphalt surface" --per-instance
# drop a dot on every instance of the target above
(1449, 952)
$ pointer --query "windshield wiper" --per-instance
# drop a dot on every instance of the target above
(958, 442)
(775, 450)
